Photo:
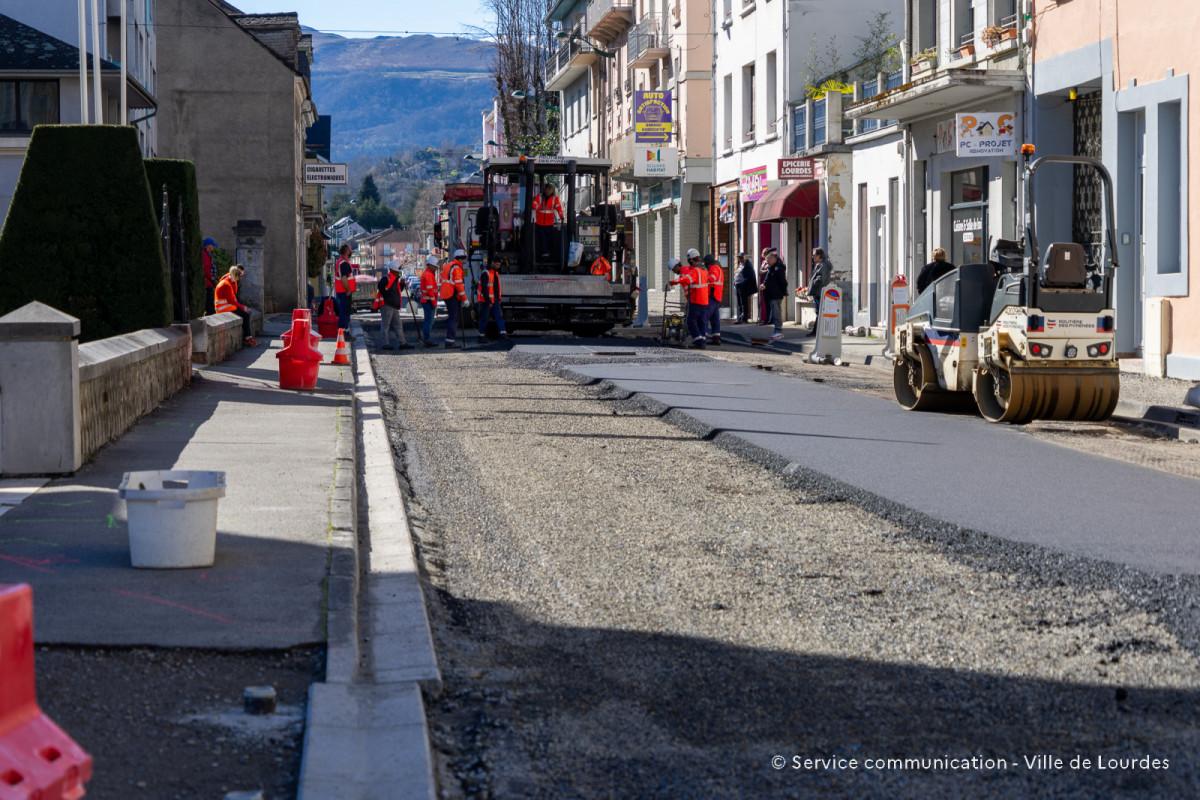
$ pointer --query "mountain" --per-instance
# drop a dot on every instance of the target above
(394, 93)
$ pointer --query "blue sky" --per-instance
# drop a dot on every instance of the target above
(368, 18)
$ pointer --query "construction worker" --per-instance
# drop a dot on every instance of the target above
(226, 301)
(546, 208)
(343, 285)
(488, 298)
(601, 267)
(453, 293)
(695, 277)
(429, 299)
(716, 290)
(388, 293)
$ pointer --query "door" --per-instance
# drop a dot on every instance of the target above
(968, 216)
(878, 258)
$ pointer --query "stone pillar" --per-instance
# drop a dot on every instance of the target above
(249, 234)
(39, 392)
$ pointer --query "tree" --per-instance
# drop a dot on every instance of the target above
(824, 69)
(341, 205)
(373, 215)
(369, 191)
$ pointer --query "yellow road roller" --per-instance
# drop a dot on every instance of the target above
(1028, 335)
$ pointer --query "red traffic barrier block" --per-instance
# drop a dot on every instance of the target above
(38, 761)
(299, 359)
(327, 323)
(297, 322)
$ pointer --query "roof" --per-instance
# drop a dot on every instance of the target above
(26, 49)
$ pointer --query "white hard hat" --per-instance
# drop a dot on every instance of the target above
(459, 253)
(394, 266)
(692, 253)
(673, 263)
(431, 261)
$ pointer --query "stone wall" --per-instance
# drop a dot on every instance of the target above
(123, 378)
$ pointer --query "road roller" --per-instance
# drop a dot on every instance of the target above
(1028, 335)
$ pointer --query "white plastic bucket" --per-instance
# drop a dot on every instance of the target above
(172, 517)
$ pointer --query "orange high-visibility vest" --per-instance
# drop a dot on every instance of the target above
(429, 285)
(545, 208)
(452, 281)
(601, 267)
(225, 297)
(488, 290)
(716, 282)
(696, 279)
(343, 285)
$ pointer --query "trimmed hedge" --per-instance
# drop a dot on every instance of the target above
(180, 177)
(81, 234)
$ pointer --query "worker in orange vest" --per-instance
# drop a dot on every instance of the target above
(226, 301)
(454, 294)
(716, 290)
(488, 298)
(429, 299)
(344, 285)
(601, 267)
(694, 275)
(546, 208)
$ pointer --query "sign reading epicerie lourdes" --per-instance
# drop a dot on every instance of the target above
(990, 134)
(651, 117)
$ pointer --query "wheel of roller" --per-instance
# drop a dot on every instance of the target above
(907, 380)
(1087, 396)
(1002, 396)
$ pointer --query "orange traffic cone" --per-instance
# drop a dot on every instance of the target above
(340, 354)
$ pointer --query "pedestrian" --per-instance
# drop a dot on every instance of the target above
(694, 276)
(746, 284)
(488, 297)
(934, 270)
(343, 285)
(821, 275)
(716, 291)
(764, 310)
(388, 290)
(546, 208)
(454, 294)
(210, 276)
(226, 300)
(774, 289)
(429, 299)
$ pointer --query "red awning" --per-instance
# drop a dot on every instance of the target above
(794, 201)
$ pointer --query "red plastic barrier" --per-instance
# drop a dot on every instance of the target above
(299, 359)
(300, 317)
(327, 323)
(37, 760)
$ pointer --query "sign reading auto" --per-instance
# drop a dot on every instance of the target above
(990, 134)
(651, 117)
(801, 169)
(325, 173)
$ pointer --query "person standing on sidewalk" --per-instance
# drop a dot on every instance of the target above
(226, 300)
(774, 289)
(454, 294)
(821, 275)
(716, 291)
(934, 269)
(389, 290)
(695, 277)
(343, 285)
(210, 276)
(488, 298)
(746, 284)
(429, 299)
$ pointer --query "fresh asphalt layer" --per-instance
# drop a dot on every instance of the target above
(266, 587)
(955, 468)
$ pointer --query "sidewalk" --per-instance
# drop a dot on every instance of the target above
(267, 587)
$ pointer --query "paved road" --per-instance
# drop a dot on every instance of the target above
(958, 469)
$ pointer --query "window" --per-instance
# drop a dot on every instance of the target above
(772, 113)
(818, 122)
(24, 104)
(925, 25)
(964, 24)
(748, 103)
(728, 7)
(1004, 13)
(1171, 223)
(800, 129)
(728, 111)
(387, 250)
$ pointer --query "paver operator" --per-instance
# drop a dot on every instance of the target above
(546, 208)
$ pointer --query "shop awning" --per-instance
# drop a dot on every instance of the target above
(794, 201)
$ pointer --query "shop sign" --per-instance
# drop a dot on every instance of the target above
(801, 169)
(753, 183)
(969, 227)
(627, 201)
(727, 208)
(945, 136)
(992, 134)
(655, 162)
(651, 117)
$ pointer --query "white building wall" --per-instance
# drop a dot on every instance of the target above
(871, 258)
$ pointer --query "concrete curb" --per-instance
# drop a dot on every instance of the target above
(366, 735)
(1174, 423)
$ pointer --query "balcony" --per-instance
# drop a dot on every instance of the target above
(607, 18)
(943, 91)
(568, 63)
(649, 42)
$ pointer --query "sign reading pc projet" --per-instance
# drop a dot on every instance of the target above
(655, 162)
(990, 134)
(326, 173)
(651, 117)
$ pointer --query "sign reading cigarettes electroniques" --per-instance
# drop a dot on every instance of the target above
(986, 134)
(651, 117)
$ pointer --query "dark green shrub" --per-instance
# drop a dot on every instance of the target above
(180, 179)
(81, 234)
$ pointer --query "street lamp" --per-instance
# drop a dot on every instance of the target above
(574, 36)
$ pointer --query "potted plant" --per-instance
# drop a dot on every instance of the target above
(923, 61)
(994, 34)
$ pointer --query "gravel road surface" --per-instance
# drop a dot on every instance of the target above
(624, 610)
